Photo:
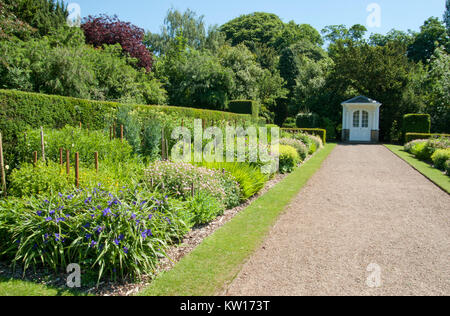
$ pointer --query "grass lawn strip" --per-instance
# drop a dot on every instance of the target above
(433, 174)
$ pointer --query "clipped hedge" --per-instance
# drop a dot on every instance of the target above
(20, 111)
(415, 136)
(244, 107)
(416, 123)
(322, 133)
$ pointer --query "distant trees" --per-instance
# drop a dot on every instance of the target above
(447, 16)
(105, 30)
(432, 35)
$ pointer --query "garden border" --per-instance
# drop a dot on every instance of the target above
(432, 174)
(219, 258)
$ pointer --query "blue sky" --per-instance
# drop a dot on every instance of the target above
(149, 14)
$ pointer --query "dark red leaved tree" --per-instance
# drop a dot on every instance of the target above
(110, 30)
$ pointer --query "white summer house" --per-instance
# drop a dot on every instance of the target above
(361, 120)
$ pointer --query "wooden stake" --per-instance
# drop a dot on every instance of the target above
(68, 162)
(35, 158)
(193, 189)
(110, 133)
(163, 145)
(167, 149)
(61, 162)
(42, 144)
(81, 125)
(121, 133)
(96, 160)
(77, 171)
(2, 167)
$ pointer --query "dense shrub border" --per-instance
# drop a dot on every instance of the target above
(219, 258)
(415, 136)
(20, 111)
(322, 133)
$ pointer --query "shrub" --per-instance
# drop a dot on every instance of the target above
(312, 131)
(250, 178)
(289, 159)
(51, 178)
(177, 179)
(424, 150)
(440, 158)
(413, 136)
(447, 167)
(308, 120)
(416, 123)
(301, 148)
(115, 236)
(76, 140)
(244, 107)
(204, 208)
(409, 146)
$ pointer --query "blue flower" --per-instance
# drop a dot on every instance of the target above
(121, 237)
(99, 230)
(106, 211)
(87, 225)
(52, 212)
(150, 217)
(57, 237)
(48, 219)
(46, 201)
(125, 250)
(39, 213)
(93, 244)
(116, 241)
(133, 216)
(88, 236)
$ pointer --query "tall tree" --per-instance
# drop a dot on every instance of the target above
(258, 27)
(447, 16)
(43, 15)
(107, 30)
(10, 25)
(432, 35)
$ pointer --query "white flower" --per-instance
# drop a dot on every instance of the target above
(7, 167)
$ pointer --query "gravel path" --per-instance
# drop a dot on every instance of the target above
(365, 206)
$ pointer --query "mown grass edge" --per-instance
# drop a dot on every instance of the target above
(434, 175)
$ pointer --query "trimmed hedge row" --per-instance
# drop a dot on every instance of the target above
(417, 123)
(21, 110)
(415, 136)
(322, 133)
(244, 107)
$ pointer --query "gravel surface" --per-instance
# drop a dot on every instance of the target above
(365, 206)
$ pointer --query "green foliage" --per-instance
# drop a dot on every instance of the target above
(177, 179)
(75, 140)
(308, 120)
(253, 28)
(447, 167)
(250, 178)
(10, 25)
(321, 133)
(424, 149)
(196, 79)
(62, 64)
(447, 15)
(415, 136)
(44, 15)
(244, 107)
(114, 236)
(440, 158)
(204, 208)
(432, 35)
(301, 148)
(289, 159)
(417, 123)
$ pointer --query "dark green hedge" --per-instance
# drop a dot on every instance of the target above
(244, 107)
(414, 136)
(308, 120)
(322, 133)
(21, 110)
(416, 123)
